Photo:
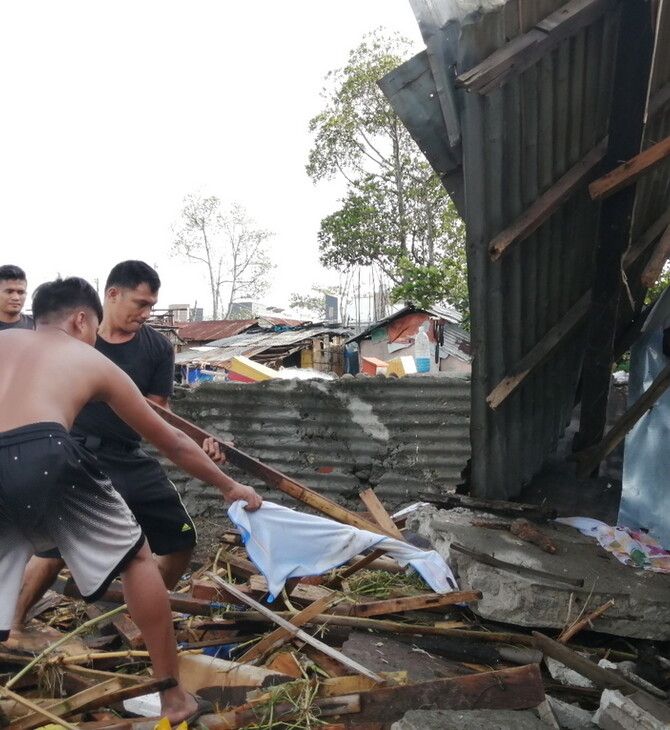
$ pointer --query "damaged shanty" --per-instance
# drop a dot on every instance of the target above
(526, 112)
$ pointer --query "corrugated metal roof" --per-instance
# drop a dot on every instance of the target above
(448, 315)
(220, 329)
(532, 104)
(250, 344)
(214, 330)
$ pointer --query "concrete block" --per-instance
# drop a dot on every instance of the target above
(617, 712)
(469, 720)
(641, 609)
(570, 717)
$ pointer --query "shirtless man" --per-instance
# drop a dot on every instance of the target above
(131, 291)
(13, 288)
(51, 491)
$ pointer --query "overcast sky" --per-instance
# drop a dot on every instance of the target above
(112, 112)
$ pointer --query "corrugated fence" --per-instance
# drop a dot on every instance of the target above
(400, 436)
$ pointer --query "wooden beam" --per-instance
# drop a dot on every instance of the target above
(541, 351)
(381, 516)
(547, 204)
(107, 692)
(632, 67)
(281, 635)
(525, 50)
(574, 316)
(270, 476)
(627, 173)
(602, 678)
(588, 459)
(414, 603)
(506, 689)
(296, 632)
(514, 568)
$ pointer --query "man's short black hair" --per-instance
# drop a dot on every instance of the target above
(130, 274)
(9, 272)
(55, 300)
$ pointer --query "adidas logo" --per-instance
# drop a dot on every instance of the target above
(185, 527)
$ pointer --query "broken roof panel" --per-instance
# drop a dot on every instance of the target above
(531, 85)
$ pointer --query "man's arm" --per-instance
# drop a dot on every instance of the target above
(125, 399)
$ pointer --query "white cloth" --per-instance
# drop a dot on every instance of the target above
(284, 544)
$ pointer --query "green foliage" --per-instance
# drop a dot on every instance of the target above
(396, 215)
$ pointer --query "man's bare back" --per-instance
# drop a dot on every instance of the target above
(48, 376)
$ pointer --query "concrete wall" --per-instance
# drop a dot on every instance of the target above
(397, 435)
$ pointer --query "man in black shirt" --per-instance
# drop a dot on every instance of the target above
(131, 291)
(13, 288)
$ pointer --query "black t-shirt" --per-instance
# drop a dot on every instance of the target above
(149, 361)
(24, 323)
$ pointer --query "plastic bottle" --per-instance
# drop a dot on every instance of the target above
(422, 349)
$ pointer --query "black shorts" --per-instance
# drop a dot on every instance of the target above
(151, 496)
(52, 494)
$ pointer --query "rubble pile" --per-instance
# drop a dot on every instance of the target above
(365, 646)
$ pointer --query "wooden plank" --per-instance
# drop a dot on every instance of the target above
(250, 716)
(588, 459)
(381, 516)
(281, 635)
(414, 603)
(513, 568)
(298, 633)
(385, 626)
(270, 476)
(35, 708)
(547, 204)
(518, 688)
(525, 50)
(602, 678)
(631, 170)
(540, 352)
(543, 349)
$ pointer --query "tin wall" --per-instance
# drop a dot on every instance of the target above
(400, 436)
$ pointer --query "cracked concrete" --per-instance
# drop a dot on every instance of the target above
(641, 598)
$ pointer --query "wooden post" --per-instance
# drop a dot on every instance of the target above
(629, 98)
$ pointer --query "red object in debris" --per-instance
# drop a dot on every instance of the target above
(239, 378)
(370, 365)
(325, 469)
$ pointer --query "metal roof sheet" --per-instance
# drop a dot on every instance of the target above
(250, 344)
(531, 106)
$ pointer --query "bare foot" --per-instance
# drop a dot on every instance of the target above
(178, 705)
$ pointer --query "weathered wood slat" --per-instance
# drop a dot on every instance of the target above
(588, 459)
(525, 50)
(627, 173)
(298, 633)
(547, 204)
(281, 635)
(506, 689)
(414, 603)
(270, 476)
(381, 516)
(512, 568)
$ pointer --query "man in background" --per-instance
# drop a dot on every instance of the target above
(131, 292)
(13, 289)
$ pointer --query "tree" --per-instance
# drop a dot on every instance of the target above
(230, 247)
(396, 215)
